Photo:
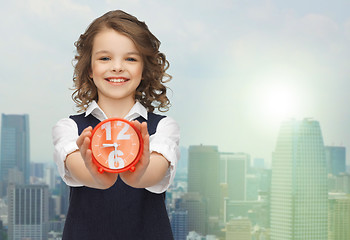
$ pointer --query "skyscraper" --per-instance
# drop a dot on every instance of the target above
(335, 157)
(178, 221)
(299, 183)
(195, 207)
(339, 216)
(28, 212)
(15, 145)
(203, 175)
(64, 195)
(235, 171)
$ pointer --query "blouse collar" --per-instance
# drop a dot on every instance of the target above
(136, 111)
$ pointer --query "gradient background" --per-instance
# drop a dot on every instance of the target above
(239, 67)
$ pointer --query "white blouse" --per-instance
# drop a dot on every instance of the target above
(164, 141)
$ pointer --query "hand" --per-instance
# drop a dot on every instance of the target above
(134, 178)
(100, 180)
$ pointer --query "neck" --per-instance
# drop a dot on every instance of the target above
(116, 108)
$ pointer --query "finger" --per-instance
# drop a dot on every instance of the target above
(86, 133)
(146, 144)
(85, 147)
(88, 158)
(144, 130)
(90, 165)
(80, 140)
(145, 136)
(136, 124)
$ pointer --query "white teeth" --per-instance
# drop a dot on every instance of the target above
(119, 80)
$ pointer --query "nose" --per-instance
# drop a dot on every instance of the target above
(117, 66)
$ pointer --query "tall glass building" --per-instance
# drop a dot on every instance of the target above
(203, 171)
(336, 159)
(339, 216)
(14, 145)
(299, 183)
(203, 178)
(28, 212)
(234, 169)
(178, 221)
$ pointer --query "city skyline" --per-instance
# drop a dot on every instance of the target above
(209, 191)
(246, 66)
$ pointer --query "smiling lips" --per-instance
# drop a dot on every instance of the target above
(117, 80)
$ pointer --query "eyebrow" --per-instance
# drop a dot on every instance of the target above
(128, 53)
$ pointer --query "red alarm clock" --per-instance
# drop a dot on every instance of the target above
(116, 145)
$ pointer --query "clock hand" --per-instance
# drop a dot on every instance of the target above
(118, 162)
(108, 145)
(115, 150)
(115, 145)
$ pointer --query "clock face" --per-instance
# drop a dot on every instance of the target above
(116, 145)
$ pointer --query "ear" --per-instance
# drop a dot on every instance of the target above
(90, 73)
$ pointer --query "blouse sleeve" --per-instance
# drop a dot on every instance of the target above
(64, 136)
(166, 142)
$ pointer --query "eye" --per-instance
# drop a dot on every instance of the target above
(131, 59)
(105, 58)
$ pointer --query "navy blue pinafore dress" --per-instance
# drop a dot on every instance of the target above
(120, 212)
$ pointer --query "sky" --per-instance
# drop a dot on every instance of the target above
(239, 67)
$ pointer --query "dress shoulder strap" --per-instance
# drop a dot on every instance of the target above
(83, 121)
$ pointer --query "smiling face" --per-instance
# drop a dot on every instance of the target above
(116, 66)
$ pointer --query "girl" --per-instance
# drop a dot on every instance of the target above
(119, 72)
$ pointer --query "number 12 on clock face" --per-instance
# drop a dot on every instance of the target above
(121, 134)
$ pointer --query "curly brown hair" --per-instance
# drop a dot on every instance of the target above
(151, 92)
